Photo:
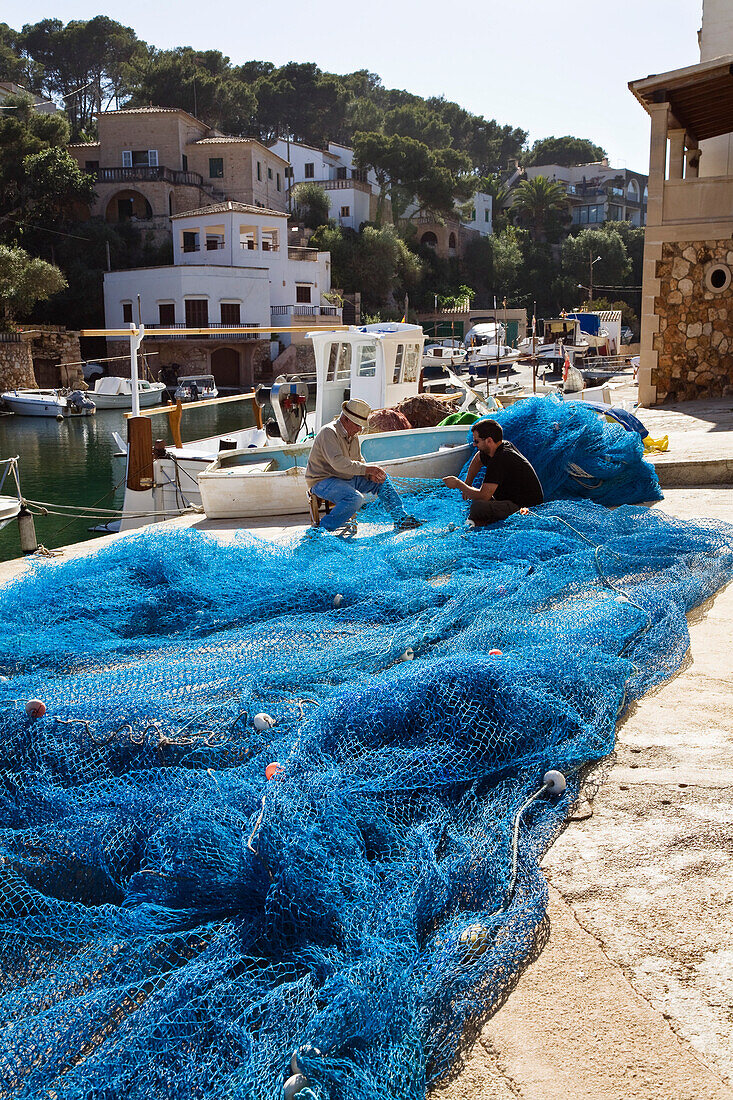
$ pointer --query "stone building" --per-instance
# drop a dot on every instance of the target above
(152, 162)
(687, 297)
(45, 356)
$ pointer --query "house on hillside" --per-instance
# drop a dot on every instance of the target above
(449, 236)
(44, 106)
(232, 266)
(598, 193)
(153, 162)
(352, 192)
(353, 195)
(687, 296)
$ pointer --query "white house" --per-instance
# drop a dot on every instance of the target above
(231, 266)
(352, 192)
(482, 214)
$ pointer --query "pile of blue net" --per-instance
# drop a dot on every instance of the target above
(579, 454)
(173, 923)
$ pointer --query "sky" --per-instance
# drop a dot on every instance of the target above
(551, 68)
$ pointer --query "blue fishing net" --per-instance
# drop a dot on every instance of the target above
(577, 453)
(173, 923)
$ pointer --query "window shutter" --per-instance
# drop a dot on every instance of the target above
(127, 158)
(153, 158)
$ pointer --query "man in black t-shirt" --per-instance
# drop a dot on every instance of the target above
(510, 482)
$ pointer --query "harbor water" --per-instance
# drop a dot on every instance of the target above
(72, 463)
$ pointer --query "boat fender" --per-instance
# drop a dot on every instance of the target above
(263, 721)
(338, 599)
(294, 1085)
(309, 1050)
(555, 782)
(35, 708)
(59, 417)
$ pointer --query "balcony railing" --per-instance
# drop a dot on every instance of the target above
(296, 252)
(144, 174)
(343, 185)
(304, 311)
(150, 331)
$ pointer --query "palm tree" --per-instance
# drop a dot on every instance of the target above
(537, 203)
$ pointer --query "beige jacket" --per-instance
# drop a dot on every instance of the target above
(334, 454)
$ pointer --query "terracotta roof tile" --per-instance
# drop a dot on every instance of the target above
(230, 208)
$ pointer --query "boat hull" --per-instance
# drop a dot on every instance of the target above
(243, 492)
(36, 406)
(148, 399)
(9, 509)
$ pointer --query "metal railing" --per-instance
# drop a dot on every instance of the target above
(148, 174)
(304, 311)
(152, 334)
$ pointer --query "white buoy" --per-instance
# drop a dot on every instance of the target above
(408, 655)
(307, 1048)
(263, 721)
(294, 1085)
(338, 599)
(555, 782)
(470, 524)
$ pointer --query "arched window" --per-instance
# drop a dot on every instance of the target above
(632, 190)
(429, 239)
(452, 241)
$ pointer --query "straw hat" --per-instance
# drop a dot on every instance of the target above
(356, 411)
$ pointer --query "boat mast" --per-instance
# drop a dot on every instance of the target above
(136, 339)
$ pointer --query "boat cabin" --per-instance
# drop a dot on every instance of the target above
(567, 329)
(379, 364)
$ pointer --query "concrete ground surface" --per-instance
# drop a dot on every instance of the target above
(633, 994)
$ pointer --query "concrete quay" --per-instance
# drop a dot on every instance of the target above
(632, 997)
(633, 994)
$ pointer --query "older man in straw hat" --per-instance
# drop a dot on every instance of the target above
(337, 472)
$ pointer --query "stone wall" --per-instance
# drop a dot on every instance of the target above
(46, 356)
(58, 349)
(16, 365)
(694, 343)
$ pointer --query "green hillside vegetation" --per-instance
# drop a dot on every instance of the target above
(431, 150)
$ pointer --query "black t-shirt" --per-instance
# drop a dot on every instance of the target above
(513, 475)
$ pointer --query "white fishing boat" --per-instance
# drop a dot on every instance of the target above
(271, 481)
(48, 403)
(116, 393)
(196, 387)
(9, 505)
(250, 473)
(379, 364)
(450, 354)
(9, 508)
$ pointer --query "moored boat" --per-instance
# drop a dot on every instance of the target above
(48, 403)
(196, 387)
(380, 364)
(271, 481)
(116, 393)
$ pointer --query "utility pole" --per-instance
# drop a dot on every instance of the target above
(590, 280)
